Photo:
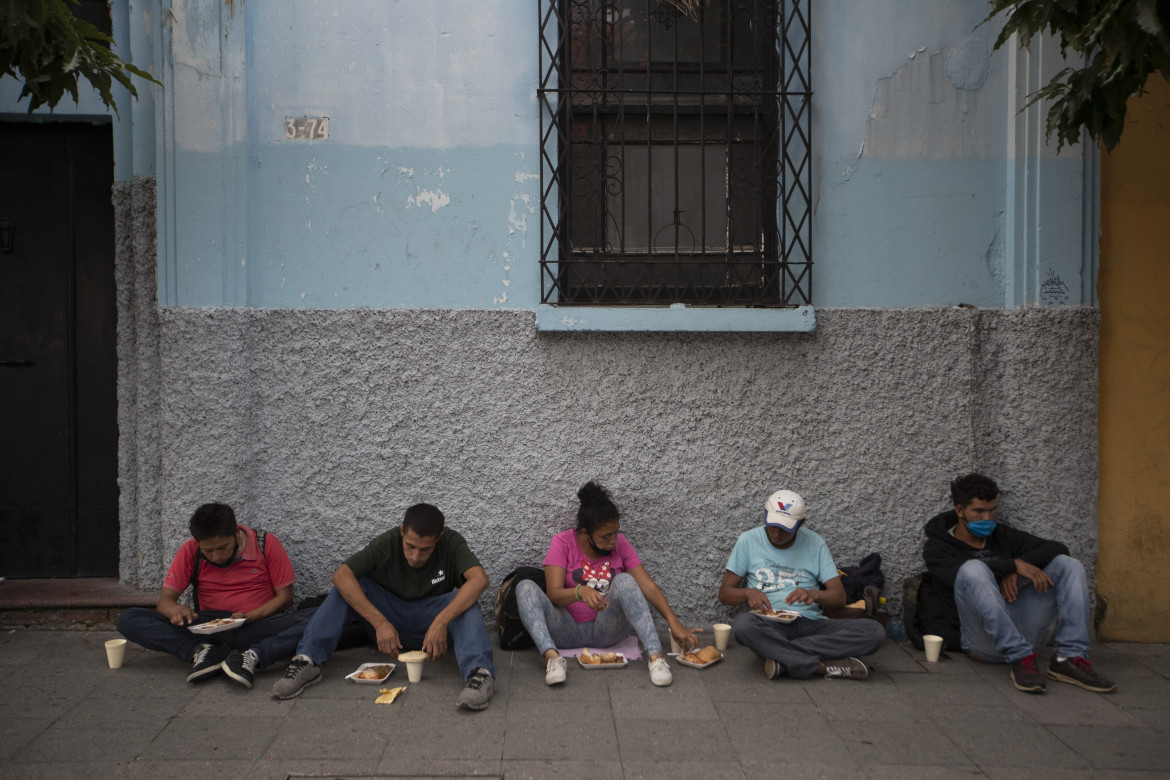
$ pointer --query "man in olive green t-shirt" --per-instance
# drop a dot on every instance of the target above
(411, 588)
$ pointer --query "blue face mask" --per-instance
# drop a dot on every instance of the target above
(981, 528)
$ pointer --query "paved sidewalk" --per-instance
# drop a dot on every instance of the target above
(64, 714)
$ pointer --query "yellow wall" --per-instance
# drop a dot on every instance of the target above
(1133, 570)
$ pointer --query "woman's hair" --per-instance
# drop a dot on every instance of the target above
(597, 508)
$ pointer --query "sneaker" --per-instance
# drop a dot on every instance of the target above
(846, 669)
(301, 673)
(1079, 671)
(478, 690)
(660, 672)
(241, 667)
(773, 669)
(554, 671)
(1026, 675)
(206, 661)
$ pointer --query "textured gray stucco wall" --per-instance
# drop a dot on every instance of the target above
(322, 426)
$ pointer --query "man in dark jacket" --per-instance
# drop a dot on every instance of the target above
(1009, 588)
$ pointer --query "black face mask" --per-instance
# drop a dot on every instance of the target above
(597, 550)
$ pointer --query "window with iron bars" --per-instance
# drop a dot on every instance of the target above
(675, 152)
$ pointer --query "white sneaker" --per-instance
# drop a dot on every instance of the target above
(660, 672)
(554, 671)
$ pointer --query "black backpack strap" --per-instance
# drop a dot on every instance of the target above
(195, 578)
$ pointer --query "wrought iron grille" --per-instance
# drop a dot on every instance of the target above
(675, 153)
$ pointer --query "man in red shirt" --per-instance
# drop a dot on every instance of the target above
(235, 573)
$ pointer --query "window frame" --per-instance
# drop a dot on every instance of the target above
(784, 180)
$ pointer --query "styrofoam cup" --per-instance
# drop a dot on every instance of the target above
(722, 634)
(934, 645)
(413, 670)
(115, 652)
(674, 648)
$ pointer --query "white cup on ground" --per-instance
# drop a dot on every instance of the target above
(414, 664)
(934, 645)
(674, 648)
(722, 635)
(115, 652)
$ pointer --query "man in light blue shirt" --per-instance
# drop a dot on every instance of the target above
(790, 578)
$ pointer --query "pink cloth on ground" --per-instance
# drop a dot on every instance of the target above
(627, 647)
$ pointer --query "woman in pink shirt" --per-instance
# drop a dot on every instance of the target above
(596, 592)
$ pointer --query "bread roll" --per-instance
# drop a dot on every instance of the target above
(709, 654)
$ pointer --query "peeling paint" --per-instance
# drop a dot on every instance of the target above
(518, 219)
(925, 109)
(523, 176)
(437, 199)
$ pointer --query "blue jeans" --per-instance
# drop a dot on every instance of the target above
(272, 638)
(411, 619)
(998, 631)
(552, 627)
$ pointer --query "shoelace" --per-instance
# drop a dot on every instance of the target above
(1029, 664)
(294, 669)
(1083, 665)
(475, 682)
(201, 654)
(250, 661)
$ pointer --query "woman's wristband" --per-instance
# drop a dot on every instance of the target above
(577, 592)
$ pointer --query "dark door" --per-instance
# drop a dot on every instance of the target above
(58, 403)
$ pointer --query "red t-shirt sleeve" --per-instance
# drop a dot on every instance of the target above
(280, 570)
(179, 575)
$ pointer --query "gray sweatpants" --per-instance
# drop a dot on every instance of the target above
(802, 644)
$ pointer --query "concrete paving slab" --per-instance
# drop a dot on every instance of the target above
(1015, 773)
(849, 699)
(924, 721)
(185, 770)
(446, 769)
(633, 696)
(991, 741)
(90, 745)
(1115, 747)
(543, 769)
(67, 770)
(683, 770)
(1068, 705)
(544, 730)
(766, 732)
(664, 739)
(204, 737)
(899, 742)
(897, 657)
(16, 733)
(334, 729)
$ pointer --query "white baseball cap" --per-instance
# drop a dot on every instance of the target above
(785, 509)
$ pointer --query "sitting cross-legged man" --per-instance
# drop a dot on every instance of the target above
(234, 572)
(789, 570)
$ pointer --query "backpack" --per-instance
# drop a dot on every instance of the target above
(513, 635)
(926, 611)
(855, 579)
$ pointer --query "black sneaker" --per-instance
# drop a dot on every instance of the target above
(301, 673)
(241, 667)
(478, 690)
(1026, 675)
(773, 669)
(207, 660)
(846, 669)
(1078, 671)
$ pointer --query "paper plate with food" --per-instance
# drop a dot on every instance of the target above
(783, 616)
(371, 673)
(217, 625)
(591, 660)
(700, 659)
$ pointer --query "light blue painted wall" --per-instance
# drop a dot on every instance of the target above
(929, 189)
